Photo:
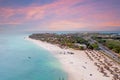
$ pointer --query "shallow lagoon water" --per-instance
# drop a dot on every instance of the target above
(23, 60)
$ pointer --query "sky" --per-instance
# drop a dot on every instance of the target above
(60, 15)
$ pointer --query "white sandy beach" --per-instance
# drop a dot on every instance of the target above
(79, 66)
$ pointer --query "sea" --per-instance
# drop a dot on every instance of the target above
(23, 60)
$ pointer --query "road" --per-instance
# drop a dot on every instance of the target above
(109, 53)
(106, 51)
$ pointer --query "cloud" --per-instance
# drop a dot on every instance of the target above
(63, 15)
(33, 12)
(64, 25)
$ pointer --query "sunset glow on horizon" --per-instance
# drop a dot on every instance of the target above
(60, 15)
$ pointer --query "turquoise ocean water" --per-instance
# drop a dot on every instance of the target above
(23, 60)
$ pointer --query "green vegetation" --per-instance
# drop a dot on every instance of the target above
(95, 46)
(81, 41)
(112, 44)
(63, 40)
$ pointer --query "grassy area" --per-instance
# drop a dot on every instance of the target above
(113, 45)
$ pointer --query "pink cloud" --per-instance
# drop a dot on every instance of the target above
(35, 12)
(64, 25)
(63, 15)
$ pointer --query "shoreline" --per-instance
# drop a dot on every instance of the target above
(78, 66)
